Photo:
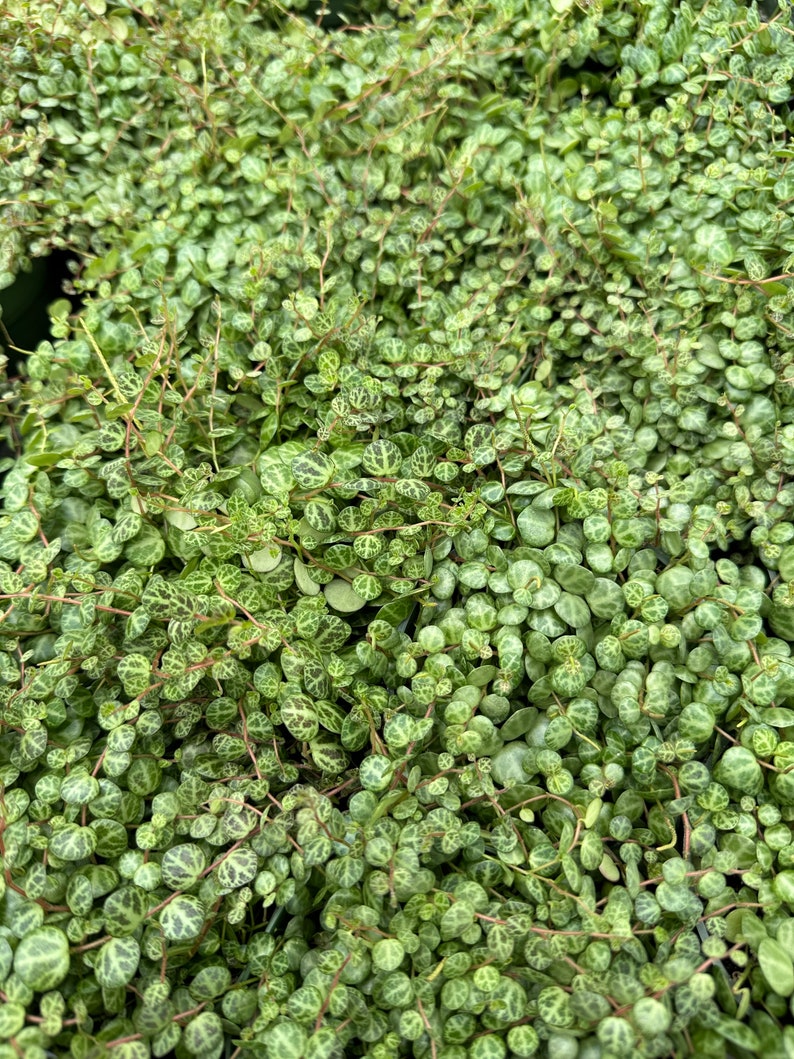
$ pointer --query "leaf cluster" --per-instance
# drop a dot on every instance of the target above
(397, 546)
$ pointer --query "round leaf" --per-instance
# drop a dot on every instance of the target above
(117, 962)
(42, 959)
(182, 919)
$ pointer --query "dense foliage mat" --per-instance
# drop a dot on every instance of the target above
(397, 547)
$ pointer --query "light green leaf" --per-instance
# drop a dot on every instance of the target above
(263, 560)
(117, 962)
(42, 959)
(777, 967)
(536, 526)
(12, 1019)
(203, 1035)
(342, 597)
(387, 954)
(286, 1040)
(183, 918)
(182, 865)
(237, 869)
(73, 842)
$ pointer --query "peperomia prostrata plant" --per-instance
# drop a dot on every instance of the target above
(397, 546)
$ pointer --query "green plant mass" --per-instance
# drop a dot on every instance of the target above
(397, 530)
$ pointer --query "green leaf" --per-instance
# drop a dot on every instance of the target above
(536, 526)
(124, 910)
(41, 959)
(264, 560)
(572, 610)
(300, 718)
(777, 967)
(286, 1040)
(304, 581)
(237, 869)
(163, 600)
(738, 768)
(12, 1019)
(135, 673)
(117, 962)
(79, 788)
(313, 470)
(737, 1033)
(382, 459)
(456, 919)
(375, 772)
(554, 1007)
(146, 548)
(204, 1036)
(210, 982)
(342, 597)
(73, 843)
(182, 919)
(387, 954)
(182, 865)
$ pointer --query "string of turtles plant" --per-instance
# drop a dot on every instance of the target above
(396, 549)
